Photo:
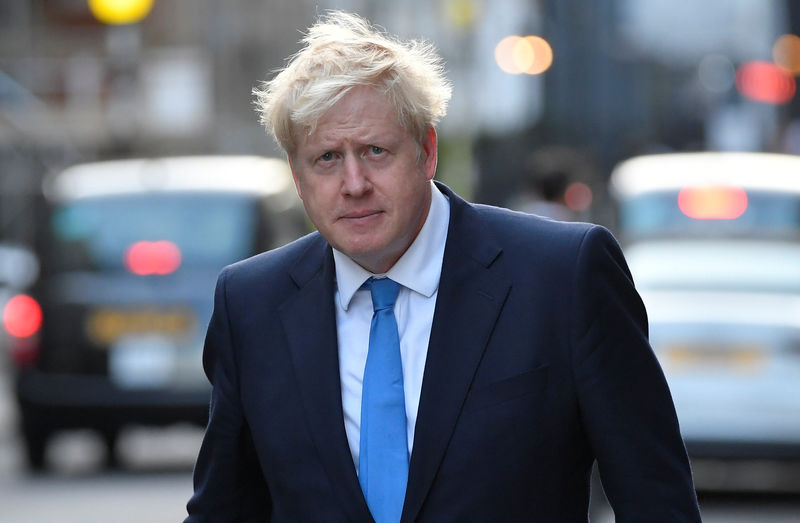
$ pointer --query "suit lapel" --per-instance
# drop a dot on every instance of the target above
(309, 319)
(469, 302)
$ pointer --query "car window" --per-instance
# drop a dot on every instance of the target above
(726, 212)
(208, 230)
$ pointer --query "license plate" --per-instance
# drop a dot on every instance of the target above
(749, 359)
(106, 326)
(142, 362)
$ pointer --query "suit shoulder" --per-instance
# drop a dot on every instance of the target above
(530, 241)
(515, 226)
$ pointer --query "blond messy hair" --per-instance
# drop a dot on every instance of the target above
(342, 51)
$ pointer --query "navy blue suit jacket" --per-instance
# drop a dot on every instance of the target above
(538, 364)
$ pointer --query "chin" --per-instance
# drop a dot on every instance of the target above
(361, 252)
(366, 255)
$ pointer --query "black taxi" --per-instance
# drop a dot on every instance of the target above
(130, 251)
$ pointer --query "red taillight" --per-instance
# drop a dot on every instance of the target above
(765, 82)
(147, 258)
(22, 316)
(713, 203)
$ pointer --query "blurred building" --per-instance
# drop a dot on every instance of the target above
(74, 89)
(626, 76)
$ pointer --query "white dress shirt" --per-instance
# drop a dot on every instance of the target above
(418, 272)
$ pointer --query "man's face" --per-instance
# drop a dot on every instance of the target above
(364, 180)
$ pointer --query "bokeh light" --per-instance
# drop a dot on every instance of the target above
(504, 54)
(529, 55)
(712, 203)
(22, 316)
(461, 13)
(145, 258)
(786, 53)
(120, 12)
(765, 82)
(542, 55)
(716, 73)
(578, 196)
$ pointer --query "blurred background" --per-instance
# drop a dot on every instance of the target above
(551, 99)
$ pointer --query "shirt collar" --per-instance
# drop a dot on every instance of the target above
(418, 269)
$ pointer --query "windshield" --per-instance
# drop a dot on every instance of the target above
(732, 213)
(203, 230)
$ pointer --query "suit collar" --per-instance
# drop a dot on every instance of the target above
(467, 231)
(312, 260)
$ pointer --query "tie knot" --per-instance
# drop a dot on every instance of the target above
(384, 293)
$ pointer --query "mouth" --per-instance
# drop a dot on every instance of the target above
(360, 216)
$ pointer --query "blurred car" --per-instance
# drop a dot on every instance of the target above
(129, 252)
(713, 242)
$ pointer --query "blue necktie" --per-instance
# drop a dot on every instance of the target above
(383, 452)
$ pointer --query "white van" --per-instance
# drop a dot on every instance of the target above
(713, 242)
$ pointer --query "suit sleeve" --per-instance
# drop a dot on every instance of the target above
(228, 483)
(625, 403)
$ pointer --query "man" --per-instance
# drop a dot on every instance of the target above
(523, 352)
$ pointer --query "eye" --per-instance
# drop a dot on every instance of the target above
(374, 149)
(326, 157)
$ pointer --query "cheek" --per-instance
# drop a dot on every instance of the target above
(414, 194)
(318, 200)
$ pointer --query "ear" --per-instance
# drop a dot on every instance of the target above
(294, 177)
(429, 150)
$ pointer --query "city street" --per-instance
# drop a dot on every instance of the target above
(155, 481)
(152, 485)
(145, 150)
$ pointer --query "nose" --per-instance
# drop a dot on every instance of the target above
(355, 182)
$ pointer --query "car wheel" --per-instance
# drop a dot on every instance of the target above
(36, 448)
(110, 438)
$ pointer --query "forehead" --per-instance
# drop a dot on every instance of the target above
(363, 113)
